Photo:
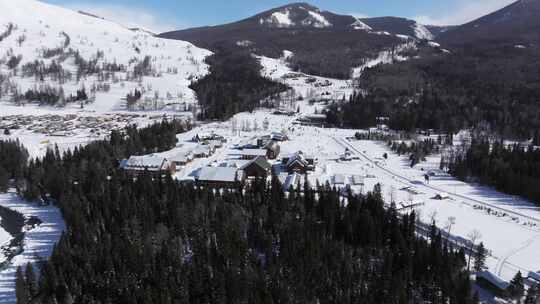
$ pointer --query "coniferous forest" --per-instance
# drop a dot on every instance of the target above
(489, 88)
(512, 169)
(154, 240)
(233, 85)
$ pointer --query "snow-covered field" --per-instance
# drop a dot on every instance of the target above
(38, 242)
(509, 227)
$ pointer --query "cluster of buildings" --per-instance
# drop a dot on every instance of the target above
(67, 125)
(244, 163)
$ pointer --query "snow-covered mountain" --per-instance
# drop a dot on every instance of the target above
(300, 15)
(303, 16)
(323, 43)
(46, 50)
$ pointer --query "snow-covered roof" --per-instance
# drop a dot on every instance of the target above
(259, 161)
(146, 162)
(181, 157)
(218, 174)
(493, 279)
(253, 152)
(339, 179)
(201, 149)
(534, 275)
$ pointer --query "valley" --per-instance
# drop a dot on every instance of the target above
(295, 105)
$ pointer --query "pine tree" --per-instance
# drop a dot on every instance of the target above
(480, 258)
(533, 295)
(21, 290)
(30, 278)
(516, 288)
(4, 180)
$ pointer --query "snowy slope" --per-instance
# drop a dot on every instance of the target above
(359, 25)
(421, 32)
(39, 30)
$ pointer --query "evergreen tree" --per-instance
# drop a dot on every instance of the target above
(21, 289)
(4, 180)
(480, 257)
(516, 288)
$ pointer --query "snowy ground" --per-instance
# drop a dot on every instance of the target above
(508, 226)
(38, 242)
(304, 85)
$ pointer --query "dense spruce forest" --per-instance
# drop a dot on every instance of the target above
(13, 159)
(154, 240)
(512, 169)
(233, 85)
(495, 88)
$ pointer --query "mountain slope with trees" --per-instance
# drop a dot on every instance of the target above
(342, 42)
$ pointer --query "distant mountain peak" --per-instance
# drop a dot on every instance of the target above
(296, 15)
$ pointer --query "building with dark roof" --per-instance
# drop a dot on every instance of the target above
(258, 167)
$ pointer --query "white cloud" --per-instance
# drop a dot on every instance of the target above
(128, 16)
(466, 11)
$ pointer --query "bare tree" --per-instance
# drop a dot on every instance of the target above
(473, 236)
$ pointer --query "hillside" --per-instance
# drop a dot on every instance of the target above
(488, 80)
(515, 25)
(322, 43)
(55, 56)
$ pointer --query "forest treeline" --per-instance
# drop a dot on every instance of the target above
(513, 169)
(233, 85)
(154, 240)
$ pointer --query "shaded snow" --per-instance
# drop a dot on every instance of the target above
(38, 243)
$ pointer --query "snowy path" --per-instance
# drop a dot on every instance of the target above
(38, 242)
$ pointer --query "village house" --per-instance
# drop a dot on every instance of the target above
(219, 177)
(272, 149)
(257, 168)
(492, 282)
(153, 164)
(316, 120)
(299, 163)
(181, 159)
(202, 151)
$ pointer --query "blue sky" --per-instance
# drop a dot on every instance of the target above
(162, 15)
